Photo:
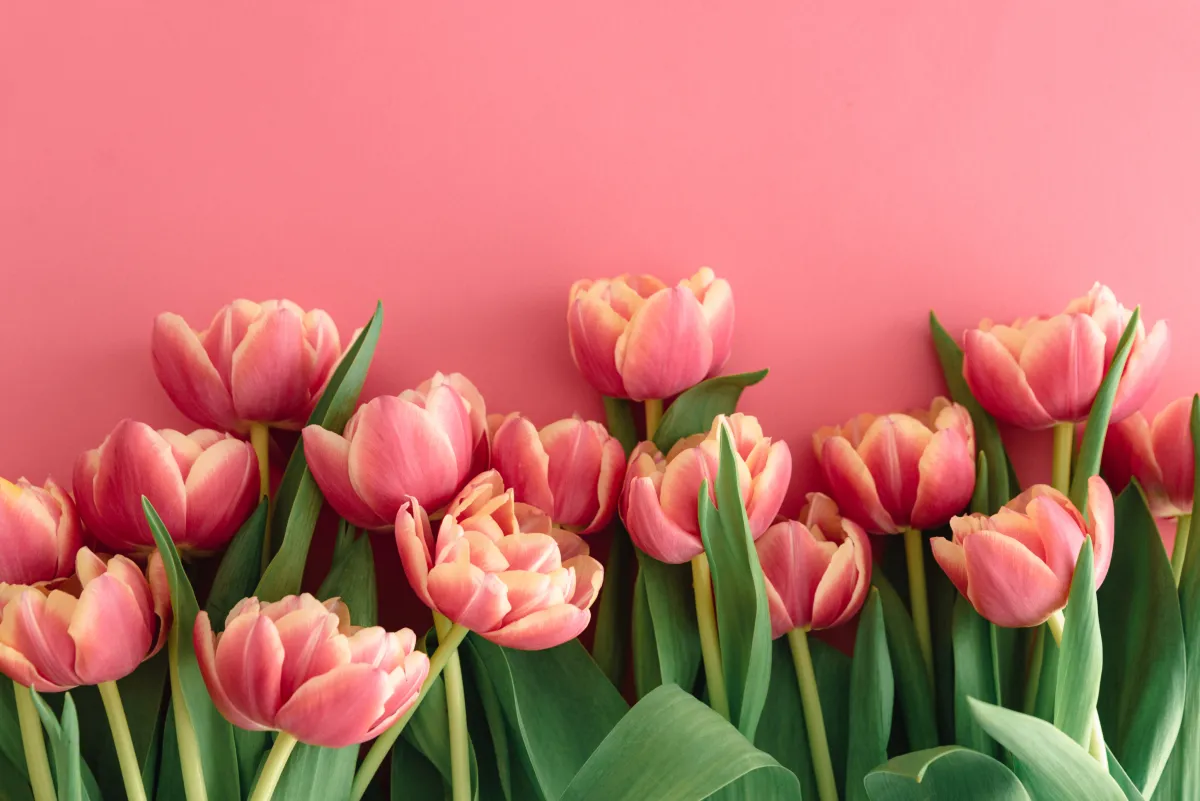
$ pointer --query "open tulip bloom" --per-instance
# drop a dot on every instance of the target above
(39, 532)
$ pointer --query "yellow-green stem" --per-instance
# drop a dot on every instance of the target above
(1096, 735)
(260, 438)
(710, 644)
(1183, 529)
(131, 772)
(918, 597)
(272, 769)
(189, 748)
(456, 718)
(814, 721)
(1060, 471)
(35, 745)
(654, 414)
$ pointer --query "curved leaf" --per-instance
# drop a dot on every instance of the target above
(913, 691)
(871, 696)
(945, 772)
(972, 675)
(1081, 656)
(672, 616)
(64, 747)
(695, 409)
(238, 573)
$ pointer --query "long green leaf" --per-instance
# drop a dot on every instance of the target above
(414, 776)
(11, 747)
(781, 731)
(619, 422)
(646, 673)
(948, 772)
(1081, 658)
(913, 692)
(1122, 778)
(238, 573)
(64, 748)
(972, 675)
(693, 411)
(672, 611)
(871, 696)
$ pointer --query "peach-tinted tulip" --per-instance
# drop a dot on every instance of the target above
(572, 469)
(424, 443)
(93, 627)
(1015, 567)
(817, 571)
(635, 337)
(1159, 455)
(255, 363)
(499, 568)
(661, 497)
(1041, 371)
(39, 532)
(298, 666)
(898, 471)
(203, 485)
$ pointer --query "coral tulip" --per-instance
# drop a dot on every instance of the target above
(39, 532)
(635, 337)
(818, 571)
(255, 363)
(659, 504)
(899, 471)
(572, 469)
(203, 485)
(298, 666)
(1041, 371)
(94, 627)
(499, 568)
(1159, 455)
(423, 443)
(1015, 567)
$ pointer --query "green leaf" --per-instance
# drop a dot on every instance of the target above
(1081, 657)
(11, 747)
(298, 501)
(64, 747)
(1047, 688)
(871, 697)
(495, 756)
(1052, 765)
(1143, 687)
(672, 613)
(238, 574)
(948, 772)
(214, 734)
(610, 643)
(739, 594)
(646, 672)
(1122, 778)
(414, 776)
(694, 410)
(620, 423)
(972, 675)
(351, 575)
(908, 665)
(671, 746)
(943, 597)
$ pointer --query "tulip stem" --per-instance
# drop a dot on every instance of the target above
(918, 597)
(1060, 472)
(260, 438)
(710, 645)
(35, 744)
(131, 772)
(1183, 528)
(456, 718)
(272, 769)
(814, 721)
(190, 762)
(1096, 735)
(447, 646)
(654, 415)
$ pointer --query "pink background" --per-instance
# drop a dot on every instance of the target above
(847, 165)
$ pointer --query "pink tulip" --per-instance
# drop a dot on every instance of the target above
(1159, 455)
(298, 666)
(424, 443)
(39, 532)
(635, 337)
(94, 627)
(896, 471)
(1015, 567)
(660, 502)
(573, 469)
(499, 568)
(203, 485)
(818, 571)
(1042, 371)
(255, 363)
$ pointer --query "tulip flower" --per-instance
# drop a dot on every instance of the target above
(39, 532)
(498, 567)
(1042, 371)
(635, 337)
(1015, 567)
(203, 485)
(573, 469)
(659, 502)
(255, 364)
(424, 443)
(1157, 454)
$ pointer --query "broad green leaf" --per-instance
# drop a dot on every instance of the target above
(782, 731)
(913, 692)
(671, 746)
(169, 786)
(646, 673)
(351, 575)
(948, 772)
(619, 421)
(1082, 655)
(414, 776)
(610, 643)
(64, 748)
(317, 774)
(834, 674)
(694, 410)
(495, 756)
(14, 784)
(11, 747)
(672, 610)
(238, 574)
(1122, 778)
(871, 697)
(973, 676)
(1047, 688)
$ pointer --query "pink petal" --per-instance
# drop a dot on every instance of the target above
(336, 709)
(227, 329)
(136, 461)
(188, 376)
(35, 625)
(654, 532)
(110, 632)
(768, 488)
(575, 451)
(680, 491)
(541, 630)
(793, 562)
(851, 483)
(781, 621)
(836, 590)
(413, 541)
(14, 665)
(185, 449)
(269, 378)
(311, 646)
(999, 383)
(608, 486)
(1060, 534)
(717, 304)
(1063, 362)
(328, 457)
(952, 559)
(83, 481)
(593, 329)
(518, 455)
(321, 335)
(947, 480)
(468, 596)
(29, 548)
(1171, 435)
(1101, 524)
(249, 655)
(891, 449)
(666, 348)
(203, 640)
(129, 574)
(69, 534)
(450, 414)
(404, 684)
(1142, 372)
(222, 489)
(1007, 584)
(1129, 453)
(528, 593)
(534, 552)
(589, 578)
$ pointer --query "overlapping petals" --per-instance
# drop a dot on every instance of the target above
(1158, 454)
(39, 532)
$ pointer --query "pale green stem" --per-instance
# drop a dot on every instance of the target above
(260, 438)
(189, 748)
(710, 645)
(1060, 471)
(1183, 529)
(35, 745)
(456, 718)
(918, 596)
(272, 769)
(131, 772)
(814, 721)
(654, 412)
(1096, 735)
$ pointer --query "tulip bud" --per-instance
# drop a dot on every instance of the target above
(1159, 455)
(39, 532)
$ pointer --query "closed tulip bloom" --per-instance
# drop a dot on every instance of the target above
(897, 471)
(203, 485)
(573, 469)
(1015, 567)
(1159, 455)
(817, 569)
(298, 666)
(255, 363)
(1041, 371)
(93, 627)
(39, 532)
(635, 337)
(423, 443)
(659, 503)
(498, 567)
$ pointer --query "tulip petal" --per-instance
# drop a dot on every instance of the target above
(328, 457)
(134, 462)
(947, 480)
(250, 655)
(999, 383)
(1129, 452)
(69, 534)
(718, 310)
(1063, 361)
(768, 488)
(35, 625)
(227, 329)
(29, 548)
(891, 449)
(450, 414)
(109, 630)
(1172, 450)
(608, 486)
(336, 709)
(593, 329)
(533, 552)
(793, 562)
(1007, 584)
(666, 347)
(541, 630)
(404, 686)
(851, 483)
(188, 375)
(574, 451)
(651, 529)
(1060, 534)
(682, 481)
(589, 578)
(14, 665)
(953, 561)
(311, 646)
(413, 542)
(836, 588)
(203, 640)
(468, 596)
(522, 461)
(1101, 524)
(321, 335)
(222, 489)
(269, 378)
(1146, 362)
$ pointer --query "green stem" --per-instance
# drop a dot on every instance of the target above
(1096, 734)
(272, 769)
(914, 552)
(710, 645)
(185, 735)
(1060, 472)
(654, 412)
(1183, 529)
(456, 718)
(447, 646)
(814, 721)
(131, 772)
(35, 744)
(260, 438)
